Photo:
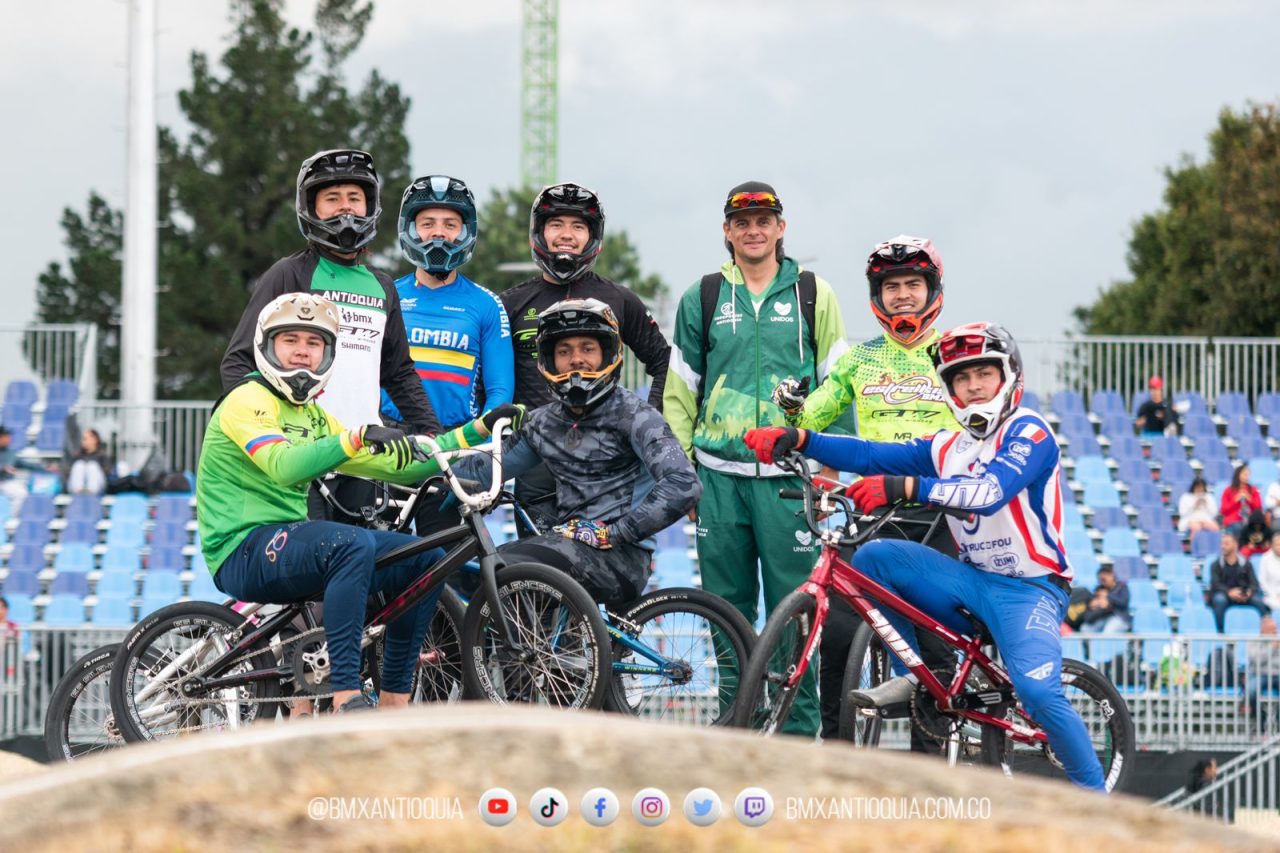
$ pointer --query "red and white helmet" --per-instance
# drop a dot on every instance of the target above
(904, 254)
(980, 343)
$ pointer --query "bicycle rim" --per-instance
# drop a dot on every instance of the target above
(438, 677)
(771, 685)
(79, 720)
(868, 664)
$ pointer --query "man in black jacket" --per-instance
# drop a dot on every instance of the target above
(1232, 582)
(566, 233)
(338, 205)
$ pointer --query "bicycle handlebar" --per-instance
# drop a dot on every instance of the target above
(477, 500)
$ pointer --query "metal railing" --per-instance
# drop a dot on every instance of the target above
(52, 351)
(178, 426)
(34, 664)
(1246, 788)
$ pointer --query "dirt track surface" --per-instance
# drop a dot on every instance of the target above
(255, 790)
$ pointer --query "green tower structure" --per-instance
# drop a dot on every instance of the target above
(539, 114)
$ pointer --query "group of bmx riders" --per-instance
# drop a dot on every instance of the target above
(758, 369)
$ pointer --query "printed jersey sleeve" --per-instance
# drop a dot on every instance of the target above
(250, 417)
(684, 374)
(640, 332)
(497, 358)
(676, 486)
(832, 398)
(381, 466)
(845, 453)
(1026, 452)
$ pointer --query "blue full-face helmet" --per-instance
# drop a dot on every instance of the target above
(439, 257)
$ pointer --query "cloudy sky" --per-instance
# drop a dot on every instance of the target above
(1023, 137)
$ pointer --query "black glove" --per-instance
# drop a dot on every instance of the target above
(514, 411)
(790, 395)
(380, 439)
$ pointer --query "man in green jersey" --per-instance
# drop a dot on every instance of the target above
(267, 440)
(890, 383)
(737, 334)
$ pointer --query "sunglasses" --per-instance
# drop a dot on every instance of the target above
(743, 201)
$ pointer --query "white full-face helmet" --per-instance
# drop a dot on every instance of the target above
(296, 312)
(980, 343)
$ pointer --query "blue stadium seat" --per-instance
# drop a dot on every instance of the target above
(673, 567)
(204, 589)
(84, 508)
(1031, 400)
(1268, 405)
(198, 565)
(1163, 542)
(1242, 621)
(1145, 494)
(51, 437)
(125, 535)
(169, 534)
(113, 611)
(1085, 564)
(1166, 448)
(1253, 448)
(30, 533)
(1067, 403)
(21, 609)
(1134, 471)
(167, 558)
(1100, 494)
(116, 583)
(1205, 543)
(1125, 448)
(1072, 517)
(55, 413)
(1150, 619)
(1217, 469)
(673, 536)
(1262, 471)
(129, 507)
(1199, 427)
(74, 557)
(17, 417)
(22, 583)
(1109, 516)
(38, 507)
(62, 392)
(64, 610)
(1232, 403)
(1091, 469)
(72, 583)
(1120, 542)
(1129, 569)
(1196, 618)
(27, 558)
(161, 584)
(121, 559)
(1176, 568)
(1177, 475)
(1068, 496)
(1194, 402)
(1182, 594)
(6, 509)
(1209, 447)
(1077, 542)
(21, 391)
(1242, 427)
(173, 509)
(85, 532)
(1142, 593)
(1107, 402)
(151, 603)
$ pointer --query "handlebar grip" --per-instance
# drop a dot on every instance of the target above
(791, 494)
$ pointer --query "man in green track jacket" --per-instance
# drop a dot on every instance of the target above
(738, 333)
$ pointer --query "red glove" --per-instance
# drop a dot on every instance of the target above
(769, 443)
(871, 493)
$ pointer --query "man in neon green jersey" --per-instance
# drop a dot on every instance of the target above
(266, 441)
(890, 383)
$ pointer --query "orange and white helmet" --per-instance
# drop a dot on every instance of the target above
(904, 254)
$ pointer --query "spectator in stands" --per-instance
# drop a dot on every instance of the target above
(1269, 575)
(1255, 536)
(1196, 510)
(1232, 582)
(8, 630)
(1239, 500)
(1264, 672)
(90, 468)
(1108, 610)
(1154, 416)
(13, 480)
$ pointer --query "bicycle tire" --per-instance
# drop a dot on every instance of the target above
(144, 650)
(869, 663)
(764, 700)
(78, 721)
(567, 642)
(695, 628)
(438, 675)
(1105, 714)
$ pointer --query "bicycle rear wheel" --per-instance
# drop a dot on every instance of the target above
(158, 660)
(770, 684)
(867, 665)
(1106, 717)
(562, 653)
(79, 721)
(438, 676)
(680, 658)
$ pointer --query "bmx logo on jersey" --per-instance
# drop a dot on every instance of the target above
(909, 390)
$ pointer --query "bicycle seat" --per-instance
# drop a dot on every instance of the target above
(980, 629)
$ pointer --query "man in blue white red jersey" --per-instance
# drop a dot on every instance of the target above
(1013, 571)
(459, 336)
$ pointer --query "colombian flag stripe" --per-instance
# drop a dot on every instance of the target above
(261, 442)
(432, 355)
(444, 376)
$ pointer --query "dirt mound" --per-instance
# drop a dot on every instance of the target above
(410, 779)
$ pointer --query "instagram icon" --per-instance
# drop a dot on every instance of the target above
(650, 806)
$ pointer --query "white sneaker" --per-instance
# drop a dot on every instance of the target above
(891, 692)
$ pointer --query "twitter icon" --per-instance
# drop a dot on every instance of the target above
(702, 807)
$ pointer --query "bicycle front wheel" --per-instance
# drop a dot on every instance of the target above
(153, 682)
(678, 657)
(867, 665)
(1106, 717)
(561, 652)
(438, 676)
(79, 721)
(772, 680)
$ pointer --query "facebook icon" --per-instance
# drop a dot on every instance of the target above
(599, 807)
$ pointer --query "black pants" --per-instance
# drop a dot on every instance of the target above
(842, 622)
(614, 578)
(536, 492)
